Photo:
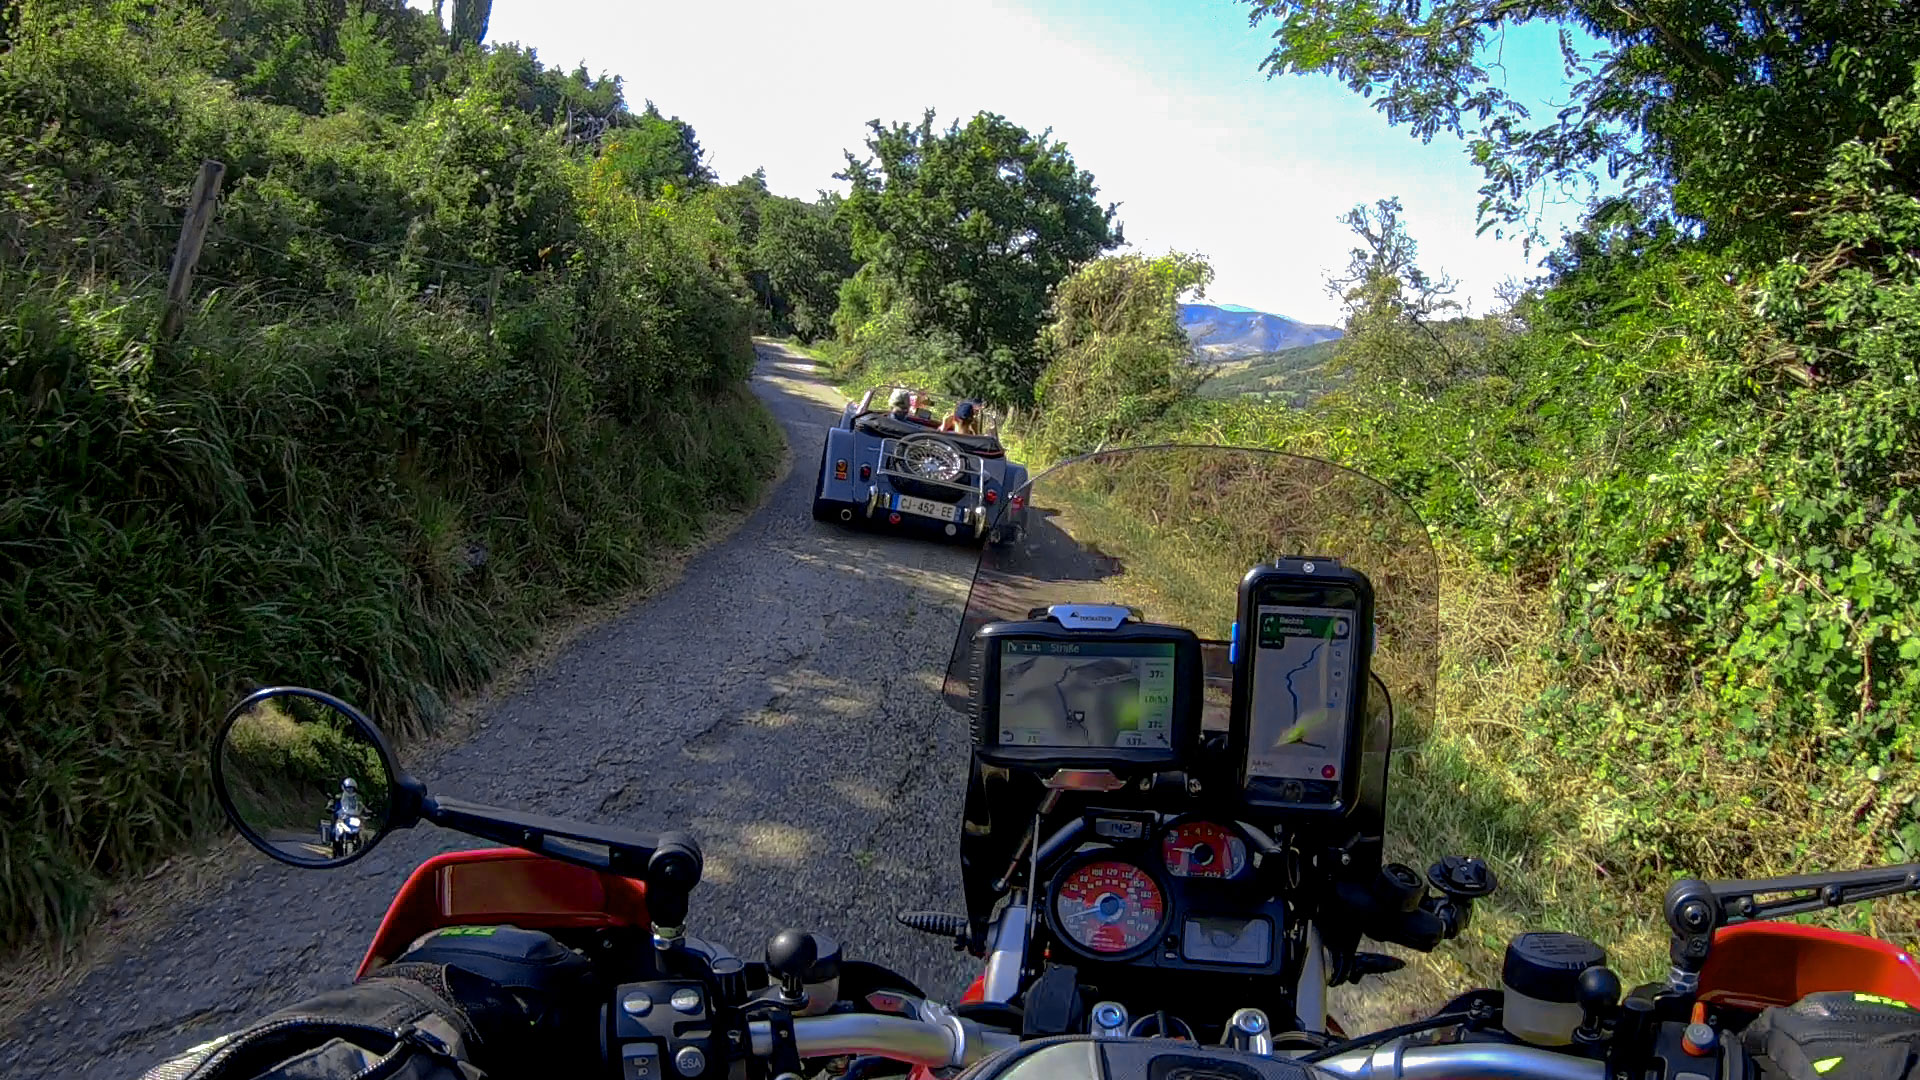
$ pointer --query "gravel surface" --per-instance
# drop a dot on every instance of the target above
(781, 702)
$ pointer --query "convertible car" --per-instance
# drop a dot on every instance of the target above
(896, 473)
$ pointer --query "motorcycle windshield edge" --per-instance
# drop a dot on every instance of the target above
(1170, 530)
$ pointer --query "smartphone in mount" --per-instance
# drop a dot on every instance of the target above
(1303, 638)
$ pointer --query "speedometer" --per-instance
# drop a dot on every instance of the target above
(1204, 849)
(1108, 907)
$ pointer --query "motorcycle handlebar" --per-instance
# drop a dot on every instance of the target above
(1462, 1061)
(936, 1044)
(952, 1041)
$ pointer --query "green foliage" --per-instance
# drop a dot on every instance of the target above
(655, 154)
(368, 75)
(440, 384)
(965, 231)
(1403, 327)
(470, 19)
(283, 772)
(1116, 355)
(1721, 111)
(805, 250)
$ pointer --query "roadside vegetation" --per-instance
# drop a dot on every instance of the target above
(458, 336)
(1671, 481)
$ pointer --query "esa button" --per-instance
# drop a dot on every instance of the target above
(640, 1061)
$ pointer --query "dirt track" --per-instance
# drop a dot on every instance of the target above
(781, 701)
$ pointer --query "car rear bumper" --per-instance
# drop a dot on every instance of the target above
(878, 512)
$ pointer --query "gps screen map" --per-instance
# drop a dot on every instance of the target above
(1301, 683)
(1081, 693)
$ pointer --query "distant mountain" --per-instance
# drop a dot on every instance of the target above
(1226, 331)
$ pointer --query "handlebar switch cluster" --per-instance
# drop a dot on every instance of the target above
(664, 1030)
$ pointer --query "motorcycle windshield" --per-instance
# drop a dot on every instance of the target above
(1170, 530)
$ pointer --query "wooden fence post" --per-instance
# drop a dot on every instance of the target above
(193, 232)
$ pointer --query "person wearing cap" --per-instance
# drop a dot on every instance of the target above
(964, 420)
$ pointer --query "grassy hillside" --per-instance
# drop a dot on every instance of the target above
(439, 381)
(1291, 376)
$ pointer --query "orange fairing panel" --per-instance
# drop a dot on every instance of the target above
(503, 885)
(1758, 964)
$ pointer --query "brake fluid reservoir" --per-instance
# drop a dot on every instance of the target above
(1542, 981)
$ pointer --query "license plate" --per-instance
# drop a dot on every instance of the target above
(940, 511)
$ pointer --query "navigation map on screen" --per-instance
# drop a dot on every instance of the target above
(1080, 693)
(1301, 683)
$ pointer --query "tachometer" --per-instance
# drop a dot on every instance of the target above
(1109, 907)
(1204, 849)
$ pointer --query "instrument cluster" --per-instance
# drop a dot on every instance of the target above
(1184, 899)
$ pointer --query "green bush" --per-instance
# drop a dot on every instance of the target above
(1695, 473)
(372, 500)
(442, 381)
(1116, 355)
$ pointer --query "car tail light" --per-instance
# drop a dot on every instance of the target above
(1018, 501)
(893, 519)
(840, 470)
(992, 496)
(866, 472)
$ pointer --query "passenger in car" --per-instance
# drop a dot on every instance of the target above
(900, 403)
(963, 420)
(921, 412)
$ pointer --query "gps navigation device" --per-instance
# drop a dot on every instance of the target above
(1302, 643)
(1057, 692)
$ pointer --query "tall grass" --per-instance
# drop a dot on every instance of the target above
(361, 494)
(1569, 816)
(1588, 783)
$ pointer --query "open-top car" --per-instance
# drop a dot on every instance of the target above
(893, 468)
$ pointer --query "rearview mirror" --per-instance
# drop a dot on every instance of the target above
(305, 777)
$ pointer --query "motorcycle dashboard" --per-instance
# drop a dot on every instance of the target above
(1180, 897)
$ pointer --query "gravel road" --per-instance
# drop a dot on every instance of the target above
(782, 702)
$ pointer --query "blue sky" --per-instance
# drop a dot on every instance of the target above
(1162, 100)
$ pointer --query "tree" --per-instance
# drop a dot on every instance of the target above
(971, 227)
(1402, 323)
(1720, 112)
(1116, 354)
(470, 21)
(653, 151)
(370, 76)
(805, 251)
